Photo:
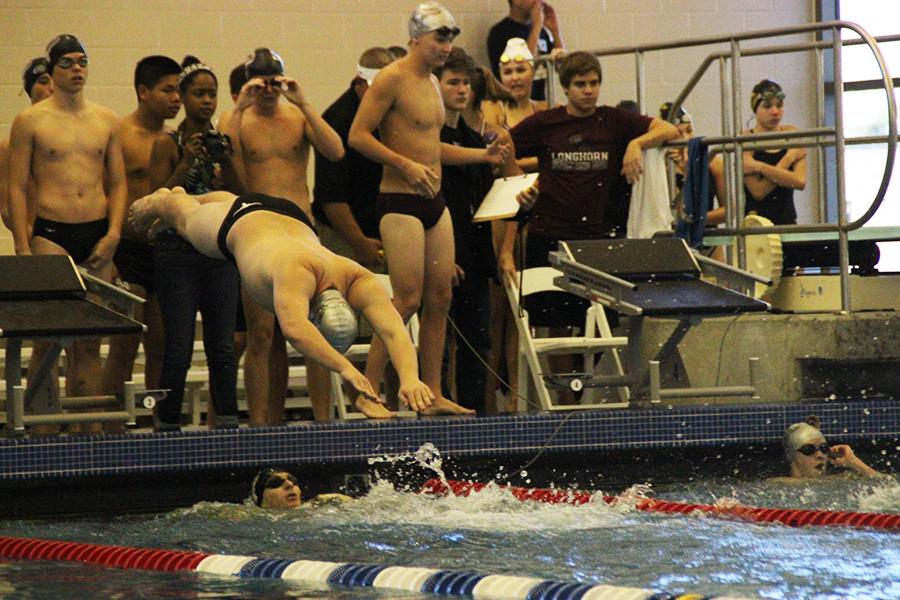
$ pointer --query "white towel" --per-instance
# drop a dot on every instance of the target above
(650, 208)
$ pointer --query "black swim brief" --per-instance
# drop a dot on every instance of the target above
(78, 239)
(134, 262)
(248, 203)
(426, 210)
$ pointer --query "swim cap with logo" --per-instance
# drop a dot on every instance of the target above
(264, 63)
(765, 91)
(33, 71)
(432, 16)
(60, 46)
(334, 318)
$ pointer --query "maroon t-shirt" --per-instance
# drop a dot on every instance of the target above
(582, 193)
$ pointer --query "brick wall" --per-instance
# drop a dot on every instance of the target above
(320, 41)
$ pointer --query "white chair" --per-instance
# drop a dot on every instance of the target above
(359, 352)
(597, 338)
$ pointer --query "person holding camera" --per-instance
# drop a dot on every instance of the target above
(198, 158)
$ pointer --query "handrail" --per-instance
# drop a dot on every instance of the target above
(822, 136)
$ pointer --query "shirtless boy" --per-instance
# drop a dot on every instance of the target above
(37, 85)
(271, 139)
(73, 149)
(156, 86)
(404, 103)
(285, 270)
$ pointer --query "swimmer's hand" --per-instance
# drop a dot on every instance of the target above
(424, 180)
(417, 396)
(249, 92)
(102, 253)
(290, 89)
(496, 153)
(351, 375)
(633, 163)
(333, 499)
(527, 197)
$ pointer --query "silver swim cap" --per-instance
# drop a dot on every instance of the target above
(432, 16)
(800, 434)
(334, 318)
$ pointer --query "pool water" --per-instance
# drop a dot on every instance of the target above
(492, 532)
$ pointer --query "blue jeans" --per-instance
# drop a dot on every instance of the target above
(187, 281)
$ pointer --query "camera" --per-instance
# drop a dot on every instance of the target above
(217, 144)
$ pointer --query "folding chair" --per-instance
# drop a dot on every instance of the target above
(596, 338)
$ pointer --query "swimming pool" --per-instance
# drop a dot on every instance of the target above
(492, 532)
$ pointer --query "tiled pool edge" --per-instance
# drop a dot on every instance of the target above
(301, 444)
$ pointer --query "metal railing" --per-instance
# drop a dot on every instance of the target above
(733, 144)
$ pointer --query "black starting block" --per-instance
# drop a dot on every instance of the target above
(650, 278)
(44, 298)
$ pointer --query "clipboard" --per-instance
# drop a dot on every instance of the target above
(500, 201)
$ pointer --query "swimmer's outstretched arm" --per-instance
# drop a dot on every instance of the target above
(292, 289)
(369, 296)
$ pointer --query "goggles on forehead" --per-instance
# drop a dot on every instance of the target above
(765, 96)
(67, 62)
(506, 58)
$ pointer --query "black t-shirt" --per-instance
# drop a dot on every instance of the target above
(464, 187)
(506, 29)
(354, 179)
(778, 205)
(582, 192)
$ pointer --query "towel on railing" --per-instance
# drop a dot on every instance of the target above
(692, 219)
(650, 209)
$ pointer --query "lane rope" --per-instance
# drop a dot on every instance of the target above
(792, 517)
(464, 584)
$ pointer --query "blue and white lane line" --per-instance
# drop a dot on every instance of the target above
(463, 584)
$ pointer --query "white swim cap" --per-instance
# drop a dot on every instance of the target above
(432, 16)
(800, 434)
(516, 50)
(334, 318)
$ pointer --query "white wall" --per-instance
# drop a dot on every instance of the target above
(320, 41)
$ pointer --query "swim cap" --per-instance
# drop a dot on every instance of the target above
(800, 434)
(516, 50)
(264, 63)
(680, 116)
(61, 45)
(33, 71)
(261, 483)
(765, 91)
(334, 318)
(431, 16)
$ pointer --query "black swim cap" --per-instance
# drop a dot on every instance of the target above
(61, 45)
(263, 63)
(33, 71)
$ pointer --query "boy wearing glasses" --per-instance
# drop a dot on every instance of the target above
(72, 148)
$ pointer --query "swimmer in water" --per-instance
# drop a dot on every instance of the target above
(810, 456)
(276, 489)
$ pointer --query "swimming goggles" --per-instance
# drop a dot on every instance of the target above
(67, 62)
(448, 32)
(506, 58)
(276, 481)
(810, 449)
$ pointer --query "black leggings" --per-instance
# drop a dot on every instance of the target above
(187, 281)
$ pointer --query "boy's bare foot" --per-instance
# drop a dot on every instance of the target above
(372, 409)
(444, 406)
